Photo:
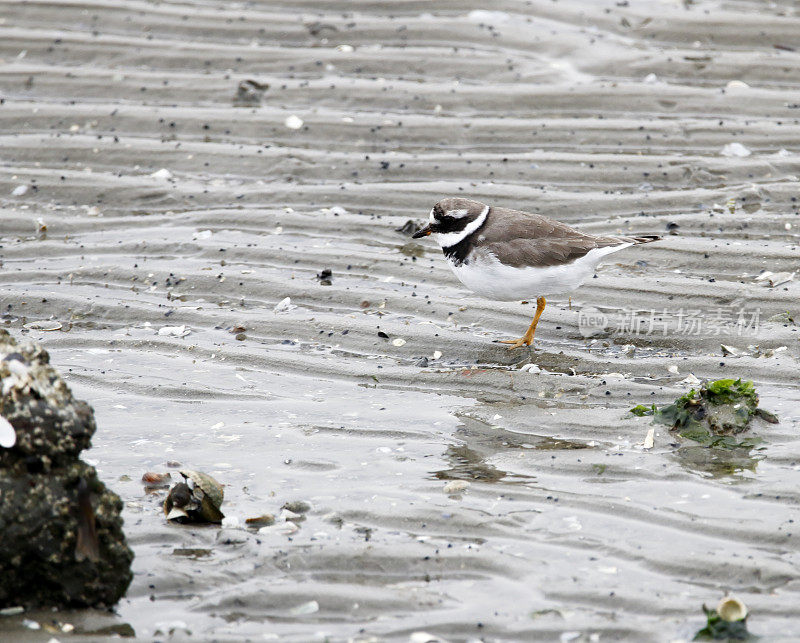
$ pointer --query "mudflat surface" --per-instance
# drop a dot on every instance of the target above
(616, 117)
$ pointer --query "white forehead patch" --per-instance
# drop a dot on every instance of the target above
(430, 216)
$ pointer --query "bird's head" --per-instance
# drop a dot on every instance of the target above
(452, 219)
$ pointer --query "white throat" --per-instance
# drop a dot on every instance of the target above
(449, 239)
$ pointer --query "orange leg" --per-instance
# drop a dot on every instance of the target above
(527, 338)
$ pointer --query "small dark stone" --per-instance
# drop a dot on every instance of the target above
(325, 277)
(422, 362)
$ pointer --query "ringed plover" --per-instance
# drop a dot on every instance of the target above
(511, 255)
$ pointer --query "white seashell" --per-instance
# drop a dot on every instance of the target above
(176, 513)
(202, 234)
(19, 190)
(737, 84)
(424, 637)
(231, 521)
(649, 439)
(304, 609)
(731, 609)
(8, 437)
(735, 149)
(163, 173)
(283, 305)
(398, 342)
(728, 350)
(293, 122)
(690, 379)
(174, 331)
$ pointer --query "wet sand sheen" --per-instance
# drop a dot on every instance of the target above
(613, 118)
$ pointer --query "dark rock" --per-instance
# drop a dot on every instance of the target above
(325, 277)
(62, 540)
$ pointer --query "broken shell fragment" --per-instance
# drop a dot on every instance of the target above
(731, 609)
(43, 325)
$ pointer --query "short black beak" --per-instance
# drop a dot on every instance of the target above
(422, 233)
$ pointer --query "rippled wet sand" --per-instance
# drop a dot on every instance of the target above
(611, 116)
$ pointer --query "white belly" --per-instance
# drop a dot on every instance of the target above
(489, 278)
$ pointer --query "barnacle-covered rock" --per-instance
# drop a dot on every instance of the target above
(60, 527)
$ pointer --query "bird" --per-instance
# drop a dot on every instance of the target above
(510, 255)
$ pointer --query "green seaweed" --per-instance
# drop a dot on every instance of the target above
(712, 414)
(718, 629)
(641, 410)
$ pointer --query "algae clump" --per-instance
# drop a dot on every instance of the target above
(712, 414)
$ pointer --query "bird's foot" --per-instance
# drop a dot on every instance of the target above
(516, 343)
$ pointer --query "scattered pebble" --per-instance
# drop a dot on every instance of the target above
(153, 479)
(437, 354)
(293, 122)
(297, 506)
(163, 173)
(202, 234)
(672, 368)
(264, 520)
(19, 190)
(690, 379)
